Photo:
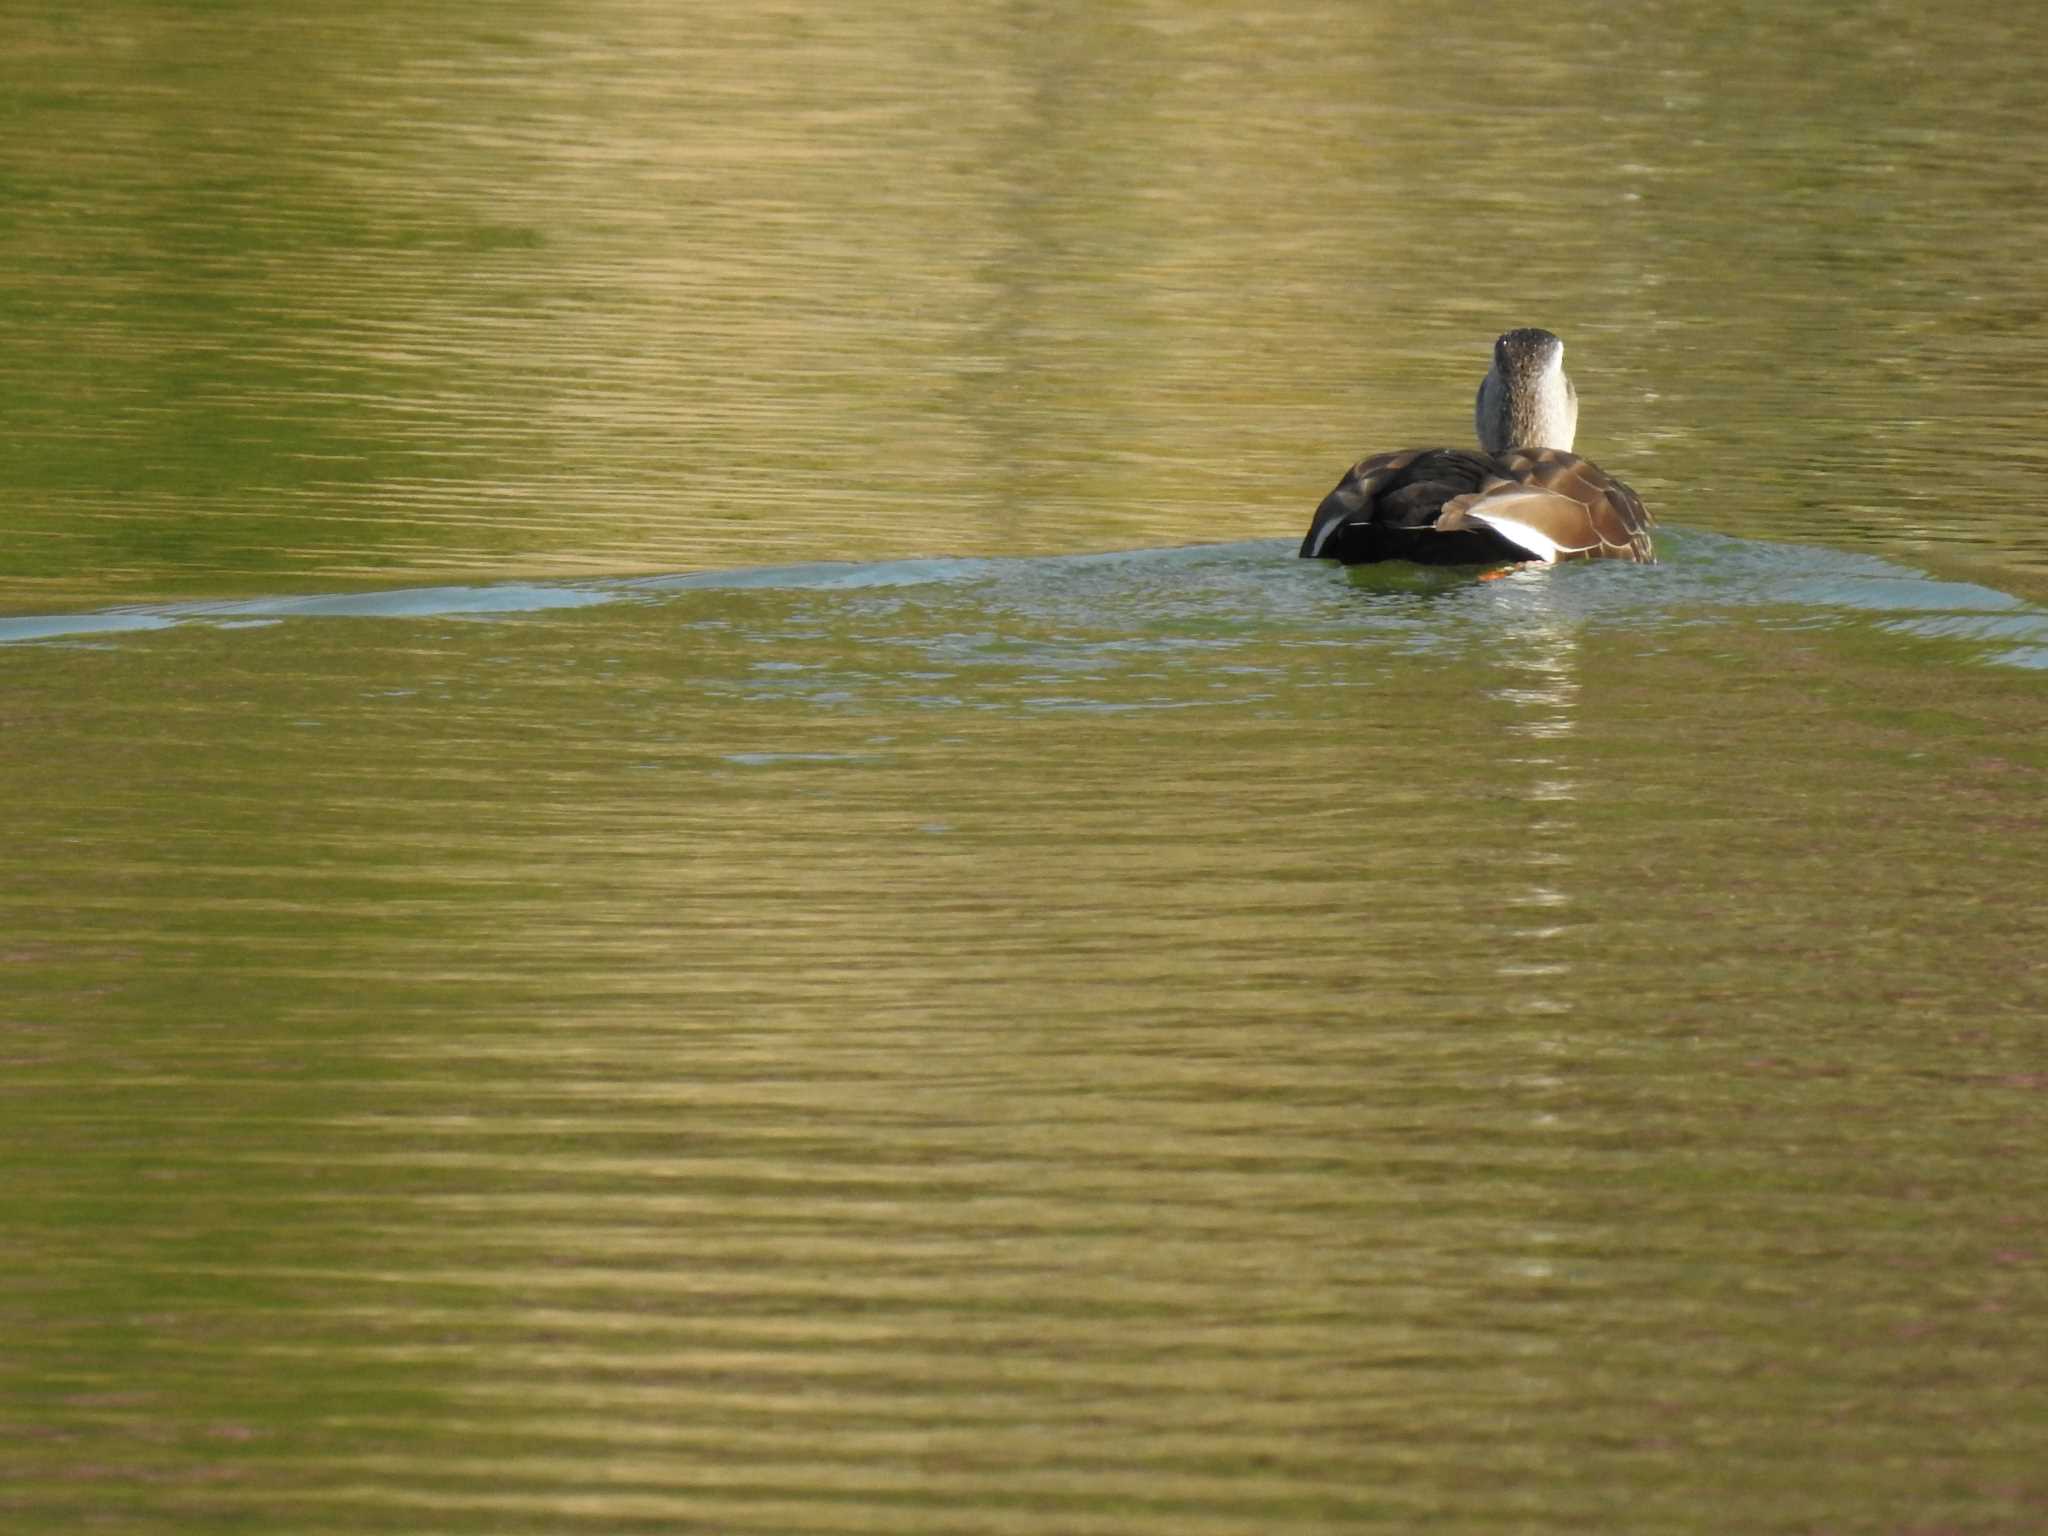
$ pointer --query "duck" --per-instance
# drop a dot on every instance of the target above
(1523, 498)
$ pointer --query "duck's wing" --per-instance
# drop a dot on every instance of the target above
(1387, 508)
(1554, 505)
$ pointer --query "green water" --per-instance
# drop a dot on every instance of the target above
(686, 854)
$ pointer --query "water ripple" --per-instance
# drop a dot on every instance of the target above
(1082, 609)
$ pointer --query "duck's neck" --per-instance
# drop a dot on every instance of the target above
(1529, 403)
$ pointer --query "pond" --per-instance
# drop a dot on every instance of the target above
(687, 853)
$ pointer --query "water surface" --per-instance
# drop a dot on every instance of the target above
(685, 854)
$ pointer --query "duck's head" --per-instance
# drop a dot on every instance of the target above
(1525, 401)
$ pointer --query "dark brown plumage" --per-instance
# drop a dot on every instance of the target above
(1430, 505)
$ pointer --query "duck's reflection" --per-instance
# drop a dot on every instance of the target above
(1543, 695)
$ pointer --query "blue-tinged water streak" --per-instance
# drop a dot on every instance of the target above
(1207, 596)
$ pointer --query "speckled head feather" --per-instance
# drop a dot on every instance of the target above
(1525, 400)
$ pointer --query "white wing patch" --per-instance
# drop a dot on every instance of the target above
(1539, 545)
(1496, 509)
(1323, 537)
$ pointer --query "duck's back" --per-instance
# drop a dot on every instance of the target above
(1447, 506)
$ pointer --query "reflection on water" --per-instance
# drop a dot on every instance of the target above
(1542, 775)
(684, 854)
